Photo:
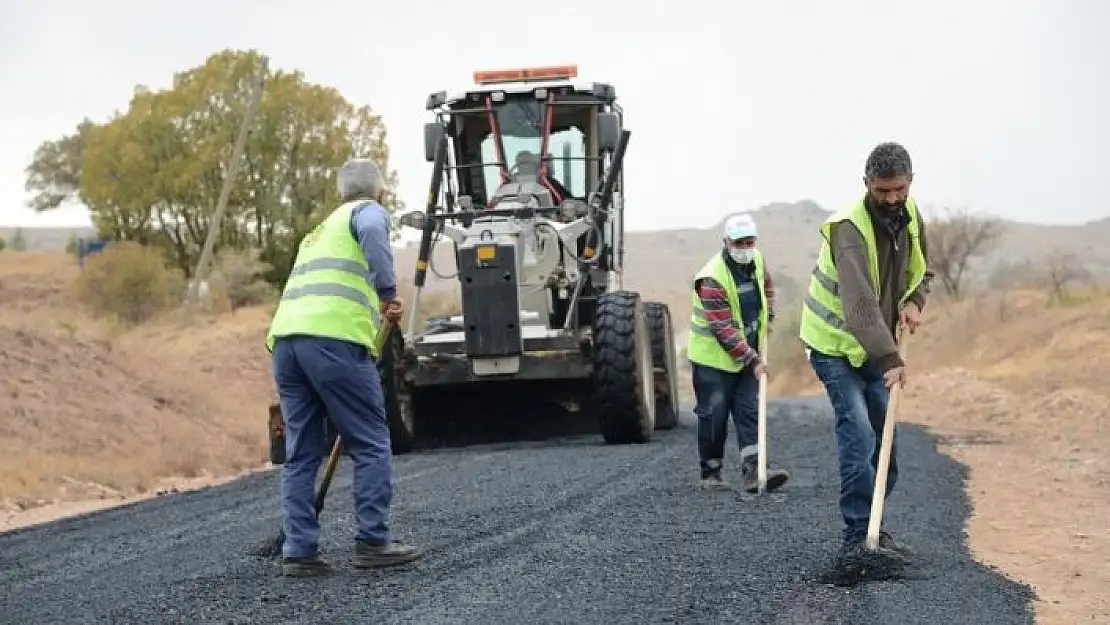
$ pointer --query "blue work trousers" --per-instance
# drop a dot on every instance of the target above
(318, 378)
(720, 394)
(859, 399)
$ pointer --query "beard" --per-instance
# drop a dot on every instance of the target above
(894, 208)
(888, 208)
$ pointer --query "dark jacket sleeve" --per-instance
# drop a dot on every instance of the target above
(862, 311)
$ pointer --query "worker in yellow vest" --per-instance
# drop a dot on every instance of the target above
(322, 341)
(870, 277)
(733, 306)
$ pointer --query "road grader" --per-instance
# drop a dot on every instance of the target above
(527, 185)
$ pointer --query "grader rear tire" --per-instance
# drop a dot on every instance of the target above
(276, 434)
(399, 408)
(623, 381)
(664, 362)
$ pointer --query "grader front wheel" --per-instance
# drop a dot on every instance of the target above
(623, 381)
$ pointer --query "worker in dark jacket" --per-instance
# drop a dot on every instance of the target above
(871, 276)
(733, 306)
(323, 342)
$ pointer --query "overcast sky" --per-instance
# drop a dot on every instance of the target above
(1004, 104)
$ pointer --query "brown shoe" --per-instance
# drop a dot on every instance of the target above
(370, 556)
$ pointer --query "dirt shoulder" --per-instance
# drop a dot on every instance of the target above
(94, 413)
(13, 516)
(1039, 484)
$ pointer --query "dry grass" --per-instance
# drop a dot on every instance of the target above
(96, 409)
(433, 303)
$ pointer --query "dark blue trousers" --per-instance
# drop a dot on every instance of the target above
(859, 399)
(720, 394)
(318, 378)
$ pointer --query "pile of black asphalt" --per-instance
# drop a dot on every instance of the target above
(562, 531)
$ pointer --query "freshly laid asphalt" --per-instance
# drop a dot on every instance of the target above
(563, 531)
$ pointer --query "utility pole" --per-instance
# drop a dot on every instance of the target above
(225, 192)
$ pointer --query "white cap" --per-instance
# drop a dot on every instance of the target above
(740, 226)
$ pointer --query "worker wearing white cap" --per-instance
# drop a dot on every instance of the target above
(733, 305)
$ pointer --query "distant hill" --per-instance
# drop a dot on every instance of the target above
(47, 239)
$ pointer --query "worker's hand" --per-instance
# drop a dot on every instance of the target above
(392, 309)
(911, 317)
(897, 375)
(759, 369)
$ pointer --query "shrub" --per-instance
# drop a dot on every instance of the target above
(238, 278)
(129, 282)
(18, 241)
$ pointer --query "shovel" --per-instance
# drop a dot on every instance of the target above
(761, 428)
(878, 498)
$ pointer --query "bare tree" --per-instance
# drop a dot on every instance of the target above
(954, 239)
(1062, 270)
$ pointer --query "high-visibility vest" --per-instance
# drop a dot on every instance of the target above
(330, 292)
(702, 346)
(822, 324)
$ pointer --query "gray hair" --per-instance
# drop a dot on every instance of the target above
(360, 178)
(888, 160)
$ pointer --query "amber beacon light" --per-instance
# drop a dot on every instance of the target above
(556, 72)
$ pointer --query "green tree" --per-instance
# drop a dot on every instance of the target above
(152, 173)
(54, 174)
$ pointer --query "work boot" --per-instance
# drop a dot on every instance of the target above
(711, 476)
(775, 477)
(887, 541)
(857, 543)
(369, 556)
(311, 566)
(850, 544)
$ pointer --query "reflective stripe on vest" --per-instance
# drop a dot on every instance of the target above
(330, 291)
(328, 288)
(702, 346)
(822, 325)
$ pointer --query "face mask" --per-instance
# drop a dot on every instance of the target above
(742, 257)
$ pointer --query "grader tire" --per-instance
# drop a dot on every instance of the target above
(399, 408)
(623, 381)
(276, 434)
(664, 362)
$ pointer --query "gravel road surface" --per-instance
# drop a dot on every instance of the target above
(568, 531)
